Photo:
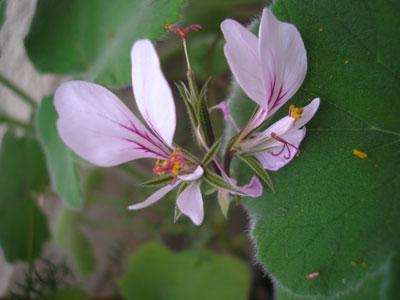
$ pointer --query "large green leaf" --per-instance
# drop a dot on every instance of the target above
(154, 272)
(69, 236)
(333, 212)
(23, 175)
(63, 170)
(93, 38)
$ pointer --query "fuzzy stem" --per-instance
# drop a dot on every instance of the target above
(18, 91)
(11, 121)
(186, 56)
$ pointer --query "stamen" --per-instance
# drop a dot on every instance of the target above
(285, 145)
(182, 32)
(295, 112)
(173, 165)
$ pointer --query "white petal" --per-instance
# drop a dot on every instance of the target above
(154, 197)
(273, 162)
(197, 173)
(190, 203)
(241, 51)
(280, 127)
(152, 92)
(308, 113)
(283, 58)
(99, 127)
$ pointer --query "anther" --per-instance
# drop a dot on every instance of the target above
(295, 112)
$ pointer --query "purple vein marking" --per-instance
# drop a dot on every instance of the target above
(145, 136)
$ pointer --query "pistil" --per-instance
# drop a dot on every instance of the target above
(285, 145)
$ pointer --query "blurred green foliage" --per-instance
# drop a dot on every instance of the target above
(154, 272)
(63, 170)
(23, 176)
(92, 39)
(68, 235)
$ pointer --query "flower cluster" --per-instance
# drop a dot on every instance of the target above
(100, 128)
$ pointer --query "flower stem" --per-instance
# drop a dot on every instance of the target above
(11, 121)
(186, 56)
(18, 91)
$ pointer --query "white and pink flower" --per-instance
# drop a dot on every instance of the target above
(270, 69)
(100, 128)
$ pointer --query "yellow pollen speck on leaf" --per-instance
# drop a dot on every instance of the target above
(359, 153)
(353, 264)
(321, 29)
(295, 112)
(346, 61)
(364, 264)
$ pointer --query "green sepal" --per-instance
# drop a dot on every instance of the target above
(204, 116)
(256, 166)
(211, 153)
(162, 180)
(190, 108)
(217, 181)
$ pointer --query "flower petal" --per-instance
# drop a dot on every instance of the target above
(273, 162)
(152, 93)
(190, 203)
(308, 113)
(241, 51)
(197, 173)
(100, 128)
(283, 59)
(253, 189)
(280, 127)
(154, 197)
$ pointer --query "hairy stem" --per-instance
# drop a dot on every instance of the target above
(11, 121)
(17, 91)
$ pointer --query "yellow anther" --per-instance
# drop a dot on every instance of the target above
(359, 153)
(295, 112)
(173, 164)
(353, 264)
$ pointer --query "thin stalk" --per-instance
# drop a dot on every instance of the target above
(17, 91)
(11, 121)
(186, 56)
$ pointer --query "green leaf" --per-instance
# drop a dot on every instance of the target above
(256, 166)
(334, 212)
(211, 153)
(64, 174)
(93, 38)
(154, 272)
(23, 176)
(69, 236)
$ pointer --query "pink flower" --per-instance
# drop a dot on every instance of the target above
(270, 69)
(279, 144)
(100, 128)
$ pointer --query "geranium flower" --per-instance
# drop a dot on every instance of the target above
(100, 128)
(279, 144)
(270, 69)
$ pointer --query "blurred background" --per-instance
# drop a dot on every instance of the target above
(66, 233)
